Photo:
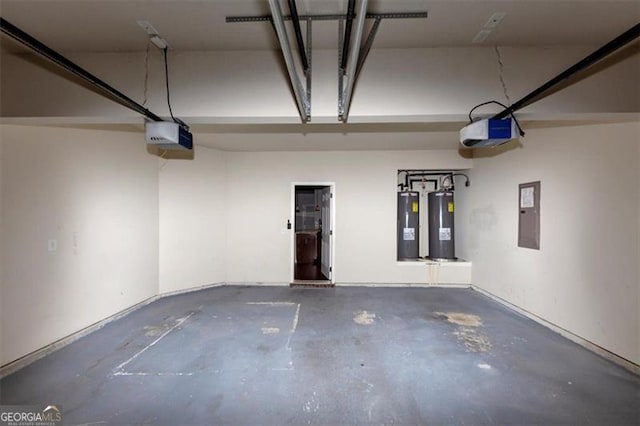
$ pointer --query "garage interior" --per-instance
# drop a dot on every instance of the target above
(328, 251)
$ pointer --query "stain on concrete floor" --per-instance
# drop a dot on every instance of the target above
(364, 317)
(153, 330)
(467, 331)
(473, 340)
(460, 318)
(211, 363)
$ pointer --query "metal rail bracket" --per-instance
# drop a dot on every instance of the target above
(350, 59)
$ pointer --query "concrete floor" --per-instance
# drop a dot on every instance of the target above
(276, 355)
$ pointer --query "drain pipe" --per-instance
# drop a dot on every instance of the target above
(450, 178)
(422, 180)
(409, 174)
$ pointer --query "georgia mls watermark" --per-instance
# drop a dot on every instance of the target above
(30, 415)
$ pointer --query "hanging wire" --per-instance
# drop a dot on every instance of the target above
(166, 74)
(483, 104)
(503, 106)
(504, 90)
(146, 73)
(501, 74)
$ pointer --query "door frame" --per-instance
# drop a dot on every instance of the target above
(292, 239)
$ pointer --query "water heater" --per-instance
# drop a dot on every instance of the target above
(441, 230)
(408, 224)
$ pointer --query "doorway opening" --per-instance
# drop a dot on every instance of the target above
(313, 207)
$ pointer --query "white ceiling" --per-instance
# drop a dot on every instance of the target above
(110, 25)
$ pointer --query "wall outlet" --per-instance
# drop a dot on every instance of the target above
(52, 245)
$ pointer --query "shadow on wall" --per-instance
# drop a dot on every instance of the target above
(171, 154)
(490, 152)
(46, 64)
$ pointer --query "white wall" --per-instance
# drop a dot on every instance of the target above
(193, 213)
(585, 276)
(440, 81)
(250, 212)
(223, 216)
(246, 85)
(133, 240)
(259, 205)
(129, 225)
(96, 194)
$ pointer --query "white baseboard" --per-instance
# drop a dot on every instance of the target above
(32, 357)
(393, 285)
(260, 284)
(617, 359)
(189, 290)
(22, 362)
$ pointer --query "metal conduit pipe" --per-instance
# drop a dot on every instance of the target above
(433, 181)
(450, 178)
(409, 174)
